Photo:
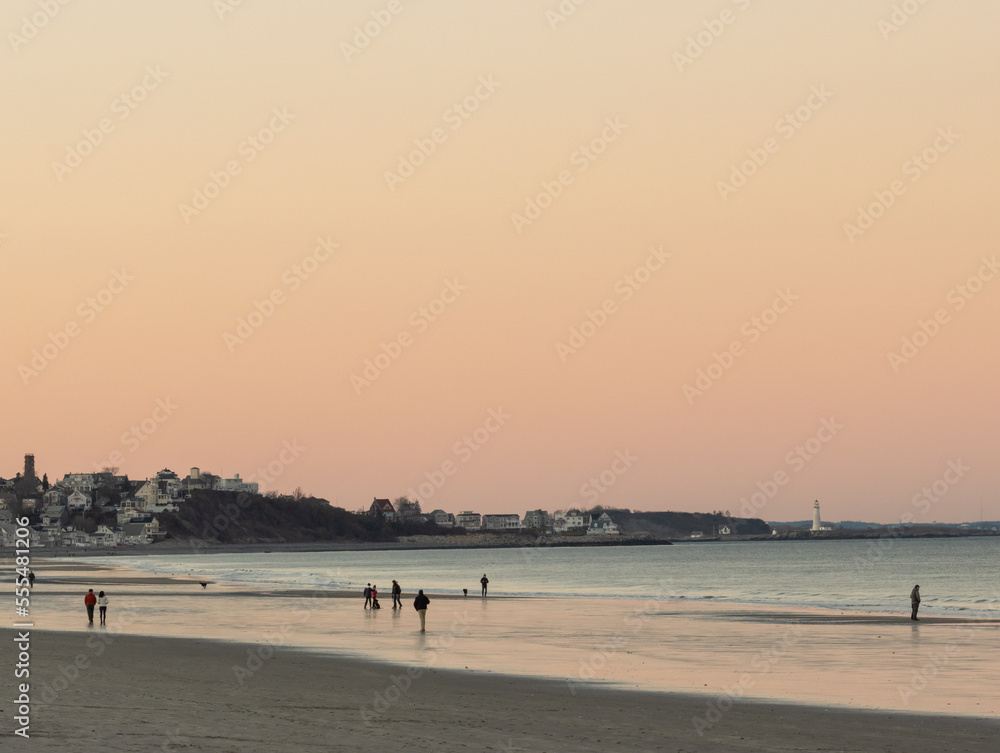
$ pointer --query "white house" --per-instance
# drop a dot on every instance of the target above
(163, 491)
(8, 534)
(105, 537)
(236, 484)
(725, 530)
(568, 521)
(442, 518)
(130, 508)
(78, 501)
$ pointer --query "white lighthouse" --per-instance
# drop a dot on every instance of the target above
(817, 524)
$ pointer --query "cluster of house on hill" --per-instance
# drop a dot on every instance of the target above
(571, 521)
(56, 509)
(135, 505)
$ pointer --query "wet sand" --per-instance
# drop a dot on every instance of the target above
(724, 651)
(149, 694)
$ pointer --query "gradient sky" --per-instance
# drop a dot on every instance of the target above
(683, 125)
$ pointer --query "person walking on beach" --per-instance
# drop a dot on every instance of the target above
(420, 604)
(396, 593)
(368, 595)
(915, 602)
(31, 578)
(484, 580)
(89, 600)
(102, 604)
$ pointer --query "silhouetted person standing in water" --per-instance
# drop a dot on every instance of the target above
(484, 580)
(915, 602)
(420, 604)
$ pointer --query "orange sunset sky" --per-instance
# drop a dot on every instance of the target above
(496, 247)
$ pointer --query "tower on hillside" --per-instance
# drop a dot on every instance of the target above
(817, 524)
(29, 466)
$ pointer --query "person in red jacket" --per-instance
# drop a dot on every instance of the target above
(90, 600)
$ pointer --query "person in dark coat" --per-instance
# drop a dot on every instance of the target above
(484, 580)
(915, 602)
(420, 604)
(396, 593)
(368, 595)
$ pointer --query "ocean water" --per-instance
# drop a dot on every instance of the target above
(959, 577)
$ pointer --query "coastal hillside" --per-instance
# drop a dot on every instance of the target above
(231, 518)
(684, 524)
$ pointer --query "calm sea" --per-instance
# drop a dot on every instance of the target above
(956, 576)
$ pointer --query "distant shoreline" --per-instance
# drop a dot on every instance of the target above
(475, 541)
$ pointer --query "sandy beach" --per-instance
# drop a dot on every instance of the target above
(144, 694)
